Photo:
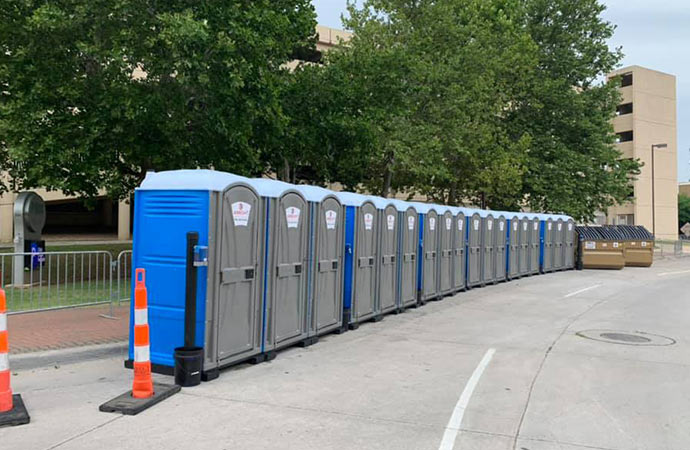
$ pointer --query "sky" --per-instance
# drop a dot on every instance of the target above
(653, 34)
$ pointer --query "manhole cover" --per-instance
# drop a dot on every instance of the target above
(639, 338)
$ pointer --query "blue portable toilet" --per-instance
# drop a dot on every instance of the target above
(225, 210)
(408, 241)
(325, 260)
(359, 289)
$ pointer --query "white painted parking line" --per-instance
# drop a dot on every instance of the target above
(581, 291)
(453, 427)
(663, 274)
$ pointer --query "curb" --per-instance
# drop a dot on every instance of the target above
(73, 355)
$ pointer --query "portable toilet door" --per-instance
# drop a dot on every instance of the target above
(365, 256)
(559, 245)
(459, 234)
(409, 239)
(488, 259)
(547, 245)
(500, 234)
(524, 229)
(286, 269)
(570, 244)
(445, 263)
(474, 250)
(430, 264)
(534, 244)
(514, 248)
(239, 291)
(325, 268)
(388, 249)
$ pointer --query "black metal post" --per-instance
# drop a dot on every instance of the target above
(190, 291)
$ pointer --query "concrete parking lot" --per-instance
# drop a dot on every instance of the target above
(520, 365)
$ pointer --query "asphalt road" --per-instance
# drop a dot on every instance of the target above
(511, 366)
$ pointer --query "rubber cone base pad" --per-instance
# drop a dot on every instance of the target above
(15, 416)
(128, 405)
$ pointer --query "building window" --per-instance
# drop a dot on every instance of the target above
(625, 108)
(625, 219)
(626, 79)
(624, 136)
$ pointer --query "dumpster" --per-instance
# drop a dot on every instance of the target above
(407, 254)
(387, 240)
(285, 271)
(445, 252)
(500, 236)
(488, 250)
(226, 212)
(515, 251)
(473, 237)
(359, 274)
(325, 267)
(428, 218)
(601, 248)
(638, 245)
(459, 261)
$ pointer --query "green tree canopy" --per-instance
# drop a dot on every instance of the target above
(94, 93)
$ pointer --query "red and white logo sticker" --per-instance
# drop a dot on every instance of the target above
(292, 216)
(500, 225)
(449, 223)
(515, 226)
(410, 223)
(432, 223)
(460, 221)
(560, 225)
(490, 224)
(368, 221)
(536, 226)
(390, 221)
(240, 213)
(524, 226)
(476, 224)
(549, 224)
(331, 217)
(570, 227)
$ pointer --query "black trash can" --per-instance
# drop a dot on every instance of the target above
(188, 364)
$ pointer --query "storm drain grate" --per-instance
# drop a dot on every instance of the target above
(639, 338)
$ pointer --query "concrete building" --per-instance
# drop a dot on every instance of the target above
(646, 129)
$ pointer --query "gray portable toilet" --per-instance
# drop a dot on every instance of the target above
(559, 244)
(325, 268)
(488, 252)
(408, 240)
(514, 247)
(387, 241)
(534, 243)
(285, 210)
(474, 248)
(548, 241)
(569, 243)
(500, 233)
(459, 260)
(429, 263)
(524, 244)
(445, 251)
(361, 241)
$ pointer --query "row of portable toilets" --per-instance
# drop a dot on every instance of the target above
(287, 263)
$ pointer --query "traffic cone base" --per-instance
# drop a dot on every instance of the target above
(18, 415)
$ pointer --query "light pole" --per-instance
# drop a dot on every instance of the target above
(653, 208)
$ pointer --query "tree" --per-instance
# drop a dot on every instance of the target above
(95, 93)
(683, 209)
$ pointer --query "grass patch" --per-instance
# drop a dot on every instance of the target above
(63, 294)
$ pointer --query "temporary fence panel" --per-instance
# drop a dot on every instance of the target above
(445, 263)
(459, 233)
(500, 234)
(474, 250)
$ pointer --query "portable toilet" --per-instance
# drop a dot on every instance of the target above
(408, 240)
(547, 240)
(500, 235)
(286, 260)
(473, 237)
(387, 241)
(459, 242)
(428, 241)
(359, 290)
(325, 260)
(559, 244)
(524, 243)
(445, 251)
(225, 210)
(535, 237)
(488, 251)
(514, 246)
(569, 243)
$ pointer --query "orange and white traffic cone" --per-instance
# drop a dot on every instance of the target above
(12, 409)
(143, 382)
(142, 395)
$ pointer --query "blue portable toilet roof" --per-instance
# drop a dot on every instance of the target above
(351, 198)
(441, 209)
(380, 202)
(190, 180)
(401, 205)
(267, 187)
(313, 193)
(423, 208)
